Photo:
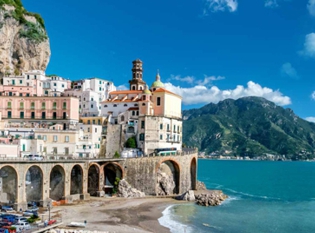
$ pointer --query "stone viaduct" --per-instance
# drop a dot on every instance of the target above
(52, 181)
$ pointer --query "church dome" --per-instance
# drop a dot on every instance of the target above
(157, 83)
(146, 90)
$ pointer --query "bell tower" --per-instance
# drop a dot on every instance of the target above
(136, 83)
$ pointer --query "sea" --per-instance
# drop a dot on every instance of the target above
(264, 197)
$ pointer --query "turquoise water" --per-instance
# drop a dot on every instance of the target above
(264, 197)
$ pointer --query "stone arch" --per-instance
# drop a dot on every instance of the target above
(34, 184)
(57, 183)
(10, 186)
(93, 179)
(112, 171)
(193, 173)
(167, 177)
(76, 176)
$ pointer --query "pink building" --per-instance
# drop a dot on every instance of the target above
(33, 89)
(64, 110)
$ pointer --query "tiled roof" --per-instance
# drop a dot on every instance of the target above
(166, 91)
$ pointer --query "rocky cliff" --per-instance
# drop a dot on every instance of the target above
(24, 44)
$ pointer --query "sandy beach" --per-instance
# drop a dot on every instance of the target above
(118, 215)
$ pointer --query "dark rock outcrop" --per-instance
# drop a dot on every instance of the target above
(210, 197)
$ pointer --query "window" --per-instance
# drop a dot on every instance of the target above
(93, 122)
(28, 77)
(21, 81)
(54, 115)
(178, 129)
(142, 124)
(66, 138)
(34, 76)
(39, 137)
(99, 122)
(115, 105)
(55, 84)
(92, 105)
(89, 122)
(43, 105)
(143, 104)
(9, 114)
(62, 85)
(136, 105)
(64, 106)
(66, 150)
(43, 115)
(158, 101)
(105, 106)
(55, 150)
(55, 105)
(168, 127)
(55, 138)
(21, 94)
(13, 82)
(95, 130)
(64, 115)
(45, 149)
(133, 113)
(88, 129)
(174, 128)
(137, 113)
(125, 105)
(122, 118)
(27, 94)
(9, 105)
(100, 89)
(141, 137)
(21, 115)
(161, 136)
(92, 99)
(44, 138)
(32, 115)
(161, 126)
(10, 93)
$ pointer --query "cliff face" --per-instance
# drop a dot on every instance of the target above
(24, 44)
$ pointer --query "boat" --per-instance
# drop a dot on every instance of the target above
(77, 224)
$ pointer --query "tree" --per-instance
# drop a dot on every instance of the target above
(131, 143)
(116, 155)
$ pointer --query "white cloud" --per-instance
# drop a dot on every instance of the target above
(271, 3)
(288, 70)
(309, 46)
(201, 94)
(311, 7)
(187, 79)
(310, 119)
(122, 87)
(313, 95)
(220, 5)
(209, 79)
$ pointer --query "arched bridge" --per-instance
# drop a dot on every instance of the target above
(23, 181)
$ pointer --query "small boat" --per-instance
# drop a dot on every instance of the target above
(77, 224)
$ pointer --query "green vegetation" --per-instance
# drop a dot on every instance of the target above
(249, 126)
(33, 219)
(116, 155)
(32, 31)
(116, 183)
(131, 143)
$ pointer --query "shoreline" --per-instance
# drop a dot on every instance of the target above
(121, 215)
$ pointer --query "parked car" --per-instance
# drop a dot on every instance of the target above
(33, 209)
(38, 157)
(20, 219)
(29, 213)
(6, 208)
(22, 226)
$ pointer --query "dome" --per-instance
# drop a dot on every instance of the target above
(157, 83)
(146, 91)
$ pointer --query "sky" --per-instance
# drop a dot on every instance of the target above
(205, 50)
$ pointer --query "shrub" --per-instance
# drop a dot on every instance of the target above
(131, 142)
(116, 155)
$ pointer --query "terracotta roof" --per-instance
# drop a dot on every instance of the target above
(125, 92)
(166, 91)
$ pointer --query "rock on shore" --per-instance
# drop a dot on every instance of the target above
(210, 197)
(125, 190)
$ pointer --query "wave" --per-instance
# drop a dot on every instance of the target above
(167, 221)
(252, 195)
(230, 199)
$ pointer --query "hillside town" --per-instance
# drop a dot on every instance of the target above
(45, 116)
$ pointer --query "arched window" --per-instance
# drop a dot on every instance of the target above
(122, 118)
(136, 105)
(125, 105)
(133, 88)
(143, 97)
(140, 87)
(133, 113)
(105, 106)
(143, 104)
(115, 105)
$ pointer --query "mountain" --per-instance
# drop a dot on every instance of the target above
(24, 43)
(249, 126)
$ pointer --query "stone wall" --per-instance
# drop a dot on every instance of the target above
(141, 173)
(114, 135)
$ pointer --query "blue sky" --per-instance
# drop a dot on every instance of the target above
(206, 50)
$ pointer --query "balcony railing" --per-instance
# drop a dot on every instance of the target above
(35, 118)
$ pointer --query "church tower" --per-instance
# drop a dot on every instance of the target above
(136, 83)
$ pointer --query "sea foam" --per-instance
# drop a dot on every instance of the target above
(167, 221)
